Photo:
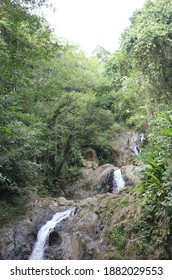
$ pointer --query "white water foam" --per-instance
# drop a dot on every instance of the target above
(45, 230)
(134, 149)
(118, 182)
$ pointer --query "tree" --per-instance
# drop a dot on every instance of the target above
(21, 129)
(101, 54)
(149, 43)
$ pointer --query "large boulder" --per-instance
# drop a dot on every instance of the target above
(17, 240)
(97, 181)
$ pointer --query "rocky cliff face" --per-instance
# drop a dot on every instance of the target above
(88, 234)
(83, 236)
(80, 237)
(126, 145)
(102, 227)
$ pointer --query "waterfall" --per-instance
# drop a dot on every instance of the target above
(135, 146)
(45, 230)
(134, 149)
(118, 182)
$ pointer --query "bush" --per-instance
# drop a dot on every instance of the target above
(155, 188)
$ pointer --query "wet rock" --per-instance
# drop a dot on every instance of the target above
(93, 233)
(78, 237)
(127, 145)
(96, 182)
(55, 238)
(105, 184)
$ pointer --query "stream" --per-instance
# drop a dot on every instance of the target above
(45, 230)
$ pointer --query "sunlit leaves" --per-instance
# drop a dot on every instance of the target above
(148, 41)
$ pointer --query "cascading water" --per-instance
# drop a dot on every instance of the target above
(118, 182)
(134, 149)
(45, 230)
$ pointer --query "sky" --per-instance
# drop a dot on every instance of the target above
(92, 23)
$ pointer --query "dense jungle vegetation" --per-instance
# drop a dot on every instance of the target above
(55, 102)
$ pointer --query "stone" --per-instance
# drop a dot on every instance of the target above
(124, 146)
(91, 185)
(85, 236)
(90, 155)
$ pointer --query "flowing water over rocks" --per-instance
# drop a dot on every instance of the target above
(45, 230)
(126, 145)
(103, 200)
(118, 182)
(82, 236)
(85, 235)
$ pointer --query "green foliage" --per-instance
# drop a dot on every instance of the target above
(118, 237)
(155, 188)
(140, 71)
(148, 41)
(151, 232)
(11, 206)
(118, 68)
(21, 130)
(140, 75)
(48, 112)
(158, 154)
(127, 88)
(56, 102)
(101, 54)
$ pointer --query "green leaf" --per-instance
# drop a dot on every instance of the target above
(166, 132)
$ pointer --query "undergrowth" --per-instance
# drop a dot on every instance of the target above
(152, 229)
(11, 207)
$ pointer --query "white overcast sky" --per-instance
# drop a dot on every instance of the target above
(90, 23)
